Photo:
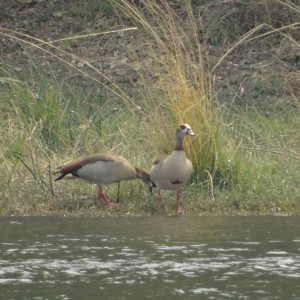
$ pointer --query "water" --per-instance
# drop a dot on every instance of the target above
(150, 258)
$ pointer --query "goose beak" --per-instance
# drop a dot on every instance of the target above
(190, 132)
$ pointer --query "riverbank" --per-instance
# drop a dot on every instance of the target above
(78, 79)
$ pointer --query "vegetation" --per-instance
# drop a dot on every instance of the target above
(191, 69)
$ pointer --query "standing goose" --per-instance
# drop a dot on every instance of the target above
(170, 172)
(103, 169)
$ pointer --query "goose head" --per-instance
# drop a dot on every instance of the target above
(145, 177)
(181, 132)
(184, 129)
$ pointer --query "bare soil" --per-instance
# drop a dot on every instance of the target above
(261, 72)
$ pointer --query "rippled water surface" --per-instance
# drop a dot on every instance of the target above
(150, 258)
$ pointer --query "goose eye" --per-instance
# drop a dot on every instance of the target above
(182, 127)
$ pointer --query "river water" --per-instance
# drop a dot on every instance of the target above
(150, 258)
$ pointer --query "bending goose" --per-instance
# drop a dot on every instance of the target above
(170, 172)
(103, 169)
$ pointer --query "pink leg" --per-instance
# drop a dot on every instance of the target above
(104, 198)
(158, 200)
(178, 208)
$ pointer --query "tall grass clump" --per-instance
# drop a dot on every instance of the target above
(178, 90)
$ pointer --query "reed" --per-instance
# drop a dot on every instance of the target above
(179, 91)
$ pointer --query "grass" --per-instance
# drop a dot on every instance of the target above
(244, 155)
(182, 91)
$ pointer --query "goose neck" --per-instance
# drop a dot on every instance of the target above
(179, 143)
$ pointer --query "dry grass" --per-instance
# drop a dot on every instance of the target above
(182, 91)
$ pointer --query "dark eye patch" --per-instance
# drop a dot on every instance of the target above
(182, 127)
(176, 182)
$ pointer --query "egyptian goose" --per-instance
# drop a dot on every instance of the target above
(170, 172)
(103, 169)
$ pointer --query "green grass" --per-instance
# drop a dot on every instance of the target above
(245, 156)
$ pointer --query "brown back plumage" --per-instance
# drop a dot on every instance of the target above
(73, 166)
